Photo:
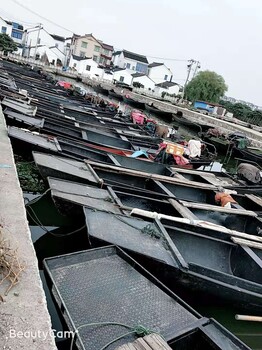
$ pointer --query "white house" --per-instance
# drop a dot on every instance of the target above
(159, 72)
(107, 75)
(123, 75)
(5, 26)
(85, 66)
(143, 79)
(15, 31)
(45, 46)
(130, 60)
(168, 87)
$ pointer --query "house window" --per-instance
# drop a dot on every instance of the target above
(141, 68)
(39, 40)
(84, 44)
(97, 48)
(133, 68)
(101, 60)
(121, 79)
(106, 52)
(88, 67)
(128, 65)
(166, 76)
(74, 65)
(3, 30)
(56, 45)
(82, 54)
(95, 58)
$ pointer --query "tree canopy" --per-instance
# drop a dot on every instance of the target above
(243, 112)
(7, 44)
(206, 86)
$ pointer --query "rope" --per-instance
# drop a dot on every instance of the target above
(38, 223)
(138, 330)
(36, 199)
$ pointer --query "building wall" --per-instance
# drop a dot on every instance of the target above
(123, 76)
(87, 47)
(44, 39)
(5, 28)
(172, 90)
(123, 62)
(147, 82)
(86, 67)
(159, 74)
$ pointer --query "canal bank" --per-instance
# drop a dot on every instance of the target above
(25, 322)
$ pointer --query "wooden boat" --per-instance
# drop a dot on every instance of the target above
(128, 295)
(236, 218)
(251, 154)
(114, 94)
(162, 114)
(198, 262)
(61, 167)
(179, 119)
(137, 104)
(100, 89)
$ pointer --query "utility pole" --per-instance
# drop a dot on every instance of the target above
(37, 39)
(196, 68)
(189, 67)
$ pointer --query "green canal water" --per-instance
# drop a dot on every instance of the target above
(43, 217)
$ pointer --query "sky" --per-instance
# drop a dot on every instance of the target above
(224, 35)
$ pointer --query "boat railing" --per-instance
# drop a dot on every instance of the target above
(241, 160)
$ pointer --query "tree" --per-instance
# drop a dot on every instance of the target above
(7, 44)
(206, 86)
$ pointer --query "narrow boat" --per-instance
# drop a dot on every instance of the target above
(62, 167)
(124, 303)
(179, 119)
(200, 263)
(252, 154)
(163, 202)
(134, 103)
(114, 94)
(100, 89)
(162, 114)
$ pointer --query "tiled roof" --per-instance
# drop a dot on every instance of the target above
(136, 75)
(166, 84)
(116, 53)
(57, 37)
(135, 56)
(107, 47)
(78, 58)
(155, 64)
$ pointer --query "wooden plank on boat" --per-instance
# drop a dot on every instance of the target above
(184, 182)
(184, 212)
(254, 198)
(149, 342)
(247, 243)
(217, 208)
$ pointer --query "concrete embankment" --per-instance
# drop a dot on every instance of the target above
(25, 322)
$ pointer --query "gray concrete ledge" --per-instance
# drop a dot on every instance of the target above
(24, 309)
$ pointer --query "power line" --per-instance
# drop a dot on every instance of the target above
(40, 16)
(168, 59)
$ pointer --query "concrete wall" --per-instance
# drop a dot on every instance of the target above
(24, 308)
(123, 73)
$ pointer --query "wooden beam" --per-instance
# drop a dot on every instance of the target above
(184, 212)
(149, 342)
(217, 208)
(164, 178)
(254, 198)
(247, 243)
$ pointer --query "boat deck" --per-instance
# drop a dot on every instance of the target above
(150, 342)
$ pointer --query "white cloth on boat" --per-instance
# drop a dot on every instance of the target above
(194, 147)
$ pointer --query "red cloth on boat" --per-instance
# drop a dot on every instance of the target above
(180, 160)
